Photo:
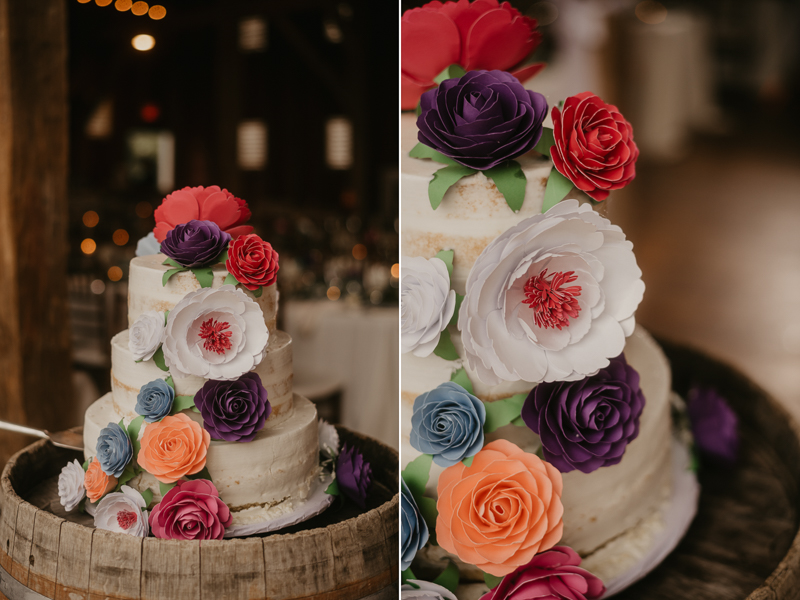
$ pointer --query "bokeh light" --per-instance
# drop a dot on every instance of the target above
(115, 273)
(144, 209)
(396, 270)
(359, 252)
(143, 42)
(97, 287)
(103, 2)
(120, 237)
(157, 12)
(334, 293)
(140, 8)
(123, 5)
(88, 246)
(651, 12)
(84, 1)
(91, 218)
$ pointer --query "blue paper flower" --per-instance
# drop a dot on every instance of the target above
(413, 529)
(114, 450)
(448, 423)
(155, 400)
(148, 245)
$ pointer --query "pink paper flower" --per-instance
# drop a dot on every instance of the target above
(192, 510)
(202, 204)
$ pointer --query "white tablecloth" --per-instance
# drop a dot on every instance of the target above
(354, 347)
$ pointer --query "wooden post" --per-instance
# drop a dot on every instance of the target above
(35, 387)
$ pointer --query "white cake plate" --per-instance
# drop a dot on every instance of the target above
(315, 504)
(678, 515)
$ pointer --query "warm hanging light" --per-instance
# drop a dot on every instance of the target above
(143, 42)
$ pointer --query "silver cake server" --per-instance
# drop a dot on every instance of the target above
(68, 439)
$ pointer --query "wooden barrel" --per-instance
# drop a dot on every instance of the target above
(341, 554)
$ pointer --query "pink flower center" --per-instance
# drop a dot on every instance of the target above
(552, 303)
(126, 519)
(217, 339)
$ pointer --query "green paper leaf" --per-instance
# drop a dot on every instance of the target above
(158, 358)
(416, 474)
(418, 109)
(173, 263)
(128, 474)
(223, 257)
(445, 348)
(201, 474)
(468, 461)
(459, 300)
(446, 256)
(257, 292)
(165, 487)
(133, 432)
(166, 316)
(423, 151)
(85, 465)
(408, 574)
(510, 181)
(230, 280)
(169, 274)
(448, 579)
(204, 275)
(503, 412)
(558, 186)
(443, 179)
(333, 488)
(138, 361)
(546, 142)
(450, 72)
(148, 496)
(428, 511)
(462, 379)
(182, 403)
(122, 424)
(170, 381)
(491, 580)
(518, 422)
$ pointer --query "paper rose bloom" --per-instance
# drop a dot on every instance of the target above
(233, 411)
(354, 475)
(146, 334)
(427, 304)
(594, 145)
(155, 400)
(587, 424)
(481, 119)
(70, 485)
(148, 245)
(413, 529)
(114, 450)
(215, 333)
(195, 244)
(552, 575)
(448, 423)
(192, 510)
(96, 482)
(174, 447)
(714, 425)
(252, 261)
(424, 590)
(328, 439)
(202, 204)
(476, 35)
(550, 299)
(498, 513)
(123, 512)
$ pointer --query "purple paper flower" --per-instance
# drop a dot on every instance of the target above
(587, 424)
(481, 119)
(195, 244)
(714, 424)
(234, 411)
(354, 475)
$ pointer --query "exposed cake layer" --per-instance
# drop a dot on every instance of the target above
(601, 505)
(146, 291)
(128, 376)
(279, 464)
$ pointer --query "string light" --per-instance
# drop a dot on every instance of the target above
(144, 209)
(140, 8)
(359, 252)
(334, 293)
(157, 12)
(115, 273)
(396, 270)
(143, 42)
(91, 218)
(103, 2)
(123, 5)
(88, 246)
(120, 237)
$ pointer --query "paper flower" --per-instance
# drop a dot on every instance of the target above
(215, 333)
(123, 512)
(202, 204)
(252, 261)
(148, 245)
(424, 590)
(146, 334)
(552, 575)
(484, 34)
(354, 475)
(174, 447)
(481, 119)
(70, 485)
(550, 299)
(427, 304)
(448, 423)
(502, 510)
(233, 411)
(714, 424)
(594, 145)
(155, 400)
(413, 529)
(114, 449)
(195, 244)
(192, 510)
(96, 482)
(328, 439)
(587, 424)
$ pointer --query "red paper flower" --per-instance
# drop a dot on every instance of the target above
(252, 261)
(482, 35)
(594, 145)
(202, 204)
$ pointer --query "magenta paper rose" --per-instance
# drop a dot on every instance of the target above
(192, 510)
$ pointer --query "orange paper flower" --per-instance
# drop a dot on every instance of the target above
(97, 483)
(502, 510)
(174, 447)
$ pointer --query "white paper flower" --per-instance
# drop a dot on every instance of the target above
(70, 485)
(216, 334)
(415, 589)
(123, 512)
(146, 335)
(426, 304)
(328, 439)
(551, 299)
(148, 245)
